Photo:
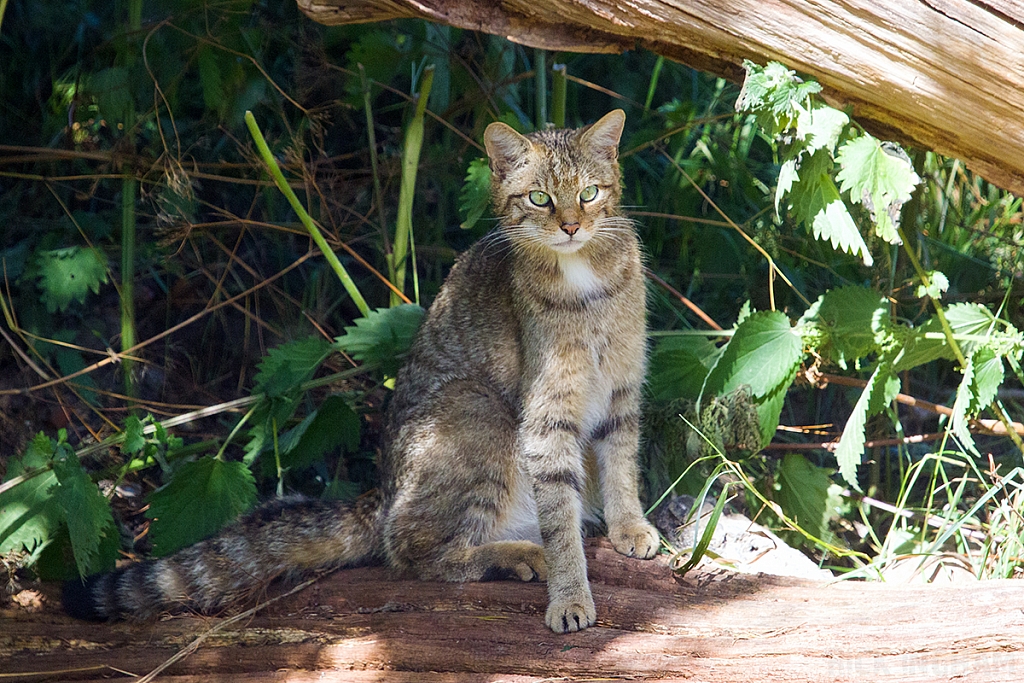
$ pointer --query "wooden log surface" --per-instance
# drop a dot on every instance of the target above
(364, 625)
(942, 74)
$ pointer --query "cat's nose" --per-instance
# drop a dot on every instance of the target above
(570, 228)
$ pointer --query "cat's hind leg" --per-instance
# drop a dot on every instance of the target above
(457, 491)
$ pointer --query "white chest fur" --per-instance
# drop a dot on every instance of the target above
(578, 274)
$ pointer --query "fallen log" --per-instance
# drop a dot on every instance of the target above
(943, 74)
(364, 625)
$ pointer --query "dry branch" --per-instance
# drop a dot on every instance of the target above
(943, 74)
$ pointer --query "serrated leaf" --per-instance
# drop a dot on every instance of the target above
(770, 408)
(850, 449)
(883, 393)
(678, 367)
(772, 93)
(787, 176)
(384, 336)
(201, 497)
(289, 365)
(815, 202)
(820, 126)
(937, 284)
(29, 517)
(331, 425)
(762, 354)
(111, 88)
(851, 318)
(803, 494)
(988, 376)
(475, 195)
(962, 407)
(134, 440)
(879, 180)
(67, 275)
(86, 511)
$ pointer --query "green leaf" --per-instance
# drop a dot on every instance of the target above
(988, 376)
(851, 320)
(384, 336)
(67, 275)
(962, 408)
(678, 367)
(134, 440)
(850, 449)
(773, 93)
(201, 497)
(29, 516)
(820, 126)
(476, 193)
(878, 177)
(211, 79)
(331, 425)
(287, 366)
(112, 89)
(86, 511)
(770, 408)
(803, 494)
(937, 284)
(815, 202)
(762, 354)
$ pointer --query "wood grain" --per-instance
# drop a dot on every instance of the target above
(363, 625)
(941, 74)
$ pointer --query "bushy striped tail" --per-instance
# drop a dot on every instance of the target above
(283, 536)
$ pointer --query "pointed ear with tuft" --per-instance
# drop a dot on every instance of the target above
(602, 138)
(506, 148)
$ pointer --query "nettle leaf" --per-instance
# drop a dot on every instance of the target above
(476, 193)
(820, 126)
(679, 365)
(86, 512)
(878, 177)
(850, 449)
(383, 336)
(201, 497)
(112, 89)
(962, 408)
(770, 408)
(331, 425)
(134, 439)
(937, 284)
(988, 376)
(815, 202)
(772, 94)
(289, 365)
(804, 494)
(762, 354)
(29, 516)
(67, 275)
(851, 319)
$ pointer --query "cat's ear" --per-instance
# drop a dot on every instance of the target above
(506, 148)
(602, 138)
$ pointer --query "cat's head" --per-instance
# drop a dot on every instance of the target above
(557, 189)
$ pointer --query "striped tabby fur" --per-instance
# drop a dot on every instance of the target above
(524, 381)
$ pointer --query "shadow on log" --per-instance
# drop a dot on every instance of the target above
(944, 74)
(361, 625)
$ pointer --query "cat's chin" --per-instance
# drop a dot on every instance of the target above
(567, 246)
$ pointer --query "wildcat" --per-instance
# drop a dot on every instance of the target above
(521, 388)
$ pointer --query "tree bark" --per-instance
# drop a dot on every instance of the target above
(942, 74)
(712, 627)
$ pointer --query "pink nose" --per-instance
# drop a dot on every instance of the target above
(570, 228)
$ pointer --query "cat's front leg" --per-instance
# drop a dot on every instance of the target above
(550, 438)
(615, 442)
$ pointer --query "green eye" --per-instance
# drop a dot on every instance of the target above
(540, 198)
(589, 193)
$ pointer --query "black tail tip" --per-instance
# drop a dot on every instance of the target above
(78, 598)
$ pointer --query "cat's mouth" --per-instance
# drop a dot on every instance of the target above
(569, 244)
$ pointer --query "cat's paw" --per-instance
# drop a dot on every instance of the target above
(569, 616)
(521, 559)
(635, 539)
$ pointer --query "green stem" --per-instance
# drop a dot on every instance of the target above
(378, 196)
(129, 196)
(939, 312)
(3, 10)
(540, 80)
(407, 190)
(314, 231)
(655, 74)
(558, 92)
